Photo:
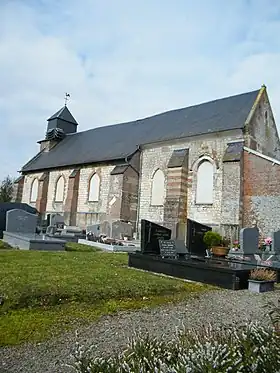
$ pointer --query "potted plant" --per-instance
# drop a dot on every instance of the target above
(261, 280)
(216, 243)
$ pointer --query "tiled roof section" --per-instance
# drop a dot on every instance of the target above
(233, 152)
(177, 158)
(116, 142)
(64, 114)
(120, 169)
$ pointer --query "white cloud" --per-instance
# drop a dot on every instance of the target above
(124, 60)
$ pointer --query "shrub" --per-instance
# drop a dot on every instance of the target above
(251, 348)
(274, 314)
(211, 239)
(262, 274)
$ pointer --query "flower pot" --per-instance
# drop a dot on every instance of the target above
(220, 250)
(260, 286)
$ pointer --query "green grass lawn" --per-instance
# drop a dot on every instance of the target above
(48, 292)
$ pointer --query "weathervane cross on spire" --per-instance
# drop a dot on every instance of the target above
(66, 98)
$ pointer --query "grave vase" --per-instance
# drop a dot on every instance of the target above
(220, 251)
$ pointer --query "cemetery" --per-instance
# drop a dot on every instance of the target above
(205, 257)
(159, 253)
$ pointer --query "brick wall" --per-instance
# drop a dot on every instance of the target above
(212, 146)
(261, 200)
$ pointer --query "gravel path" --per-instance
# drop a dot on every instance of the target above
(110, 334)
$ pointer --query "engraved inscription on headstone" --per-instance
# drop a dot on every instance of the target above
(167, 249)
(151, 233)
(21, 221)
(249, 240)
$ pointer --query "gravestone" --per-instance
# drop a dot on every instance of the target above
(276, 243)
(20, 221)
(167, 249)
(7, 206)
(249, 241)
(195, 234)
(151, 233)
(121, 229)
(249, 245)
(58, 221)
(94, 229)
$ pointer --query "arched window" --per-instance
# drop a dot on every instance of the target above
(158, 188)
(34, 190)
(94, 188)
(205, 183)
(59, 190)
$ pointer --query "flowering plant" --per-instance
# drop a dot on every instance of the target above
(236, 244)
(268, 241)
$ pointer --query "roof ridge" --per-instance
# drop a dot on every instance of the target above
(164, 112)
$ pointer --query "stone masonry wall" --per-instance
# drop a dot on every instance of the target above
(212, 146)
(90, 212)
(231, 199)
(26, 194)
(53, 206)
(261, 194)
(261, 132)
(130, 195)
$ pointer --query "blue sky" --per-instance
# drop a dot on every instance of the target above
(123, 60)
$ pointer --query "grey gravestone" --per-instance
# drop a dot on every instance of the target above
(121, 229)
(95, 229)
(249, 241)
(58, 221)
(20, 221)
(276, 243)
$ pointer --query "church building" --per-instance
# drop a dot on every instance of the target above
(217, 163)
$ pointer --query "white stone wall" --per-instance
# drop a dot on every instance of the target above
(84, 205)
(53, 206)
(212, 146)
(27, 188)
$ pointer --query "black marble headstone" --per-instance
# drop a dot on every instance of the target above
(151, 233)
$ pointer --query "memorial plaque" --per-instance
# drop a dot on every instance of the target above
(151, 233)
(167, 249)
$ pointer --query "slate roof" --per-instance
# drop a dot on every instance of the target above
(63, 114)
(115, 142)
